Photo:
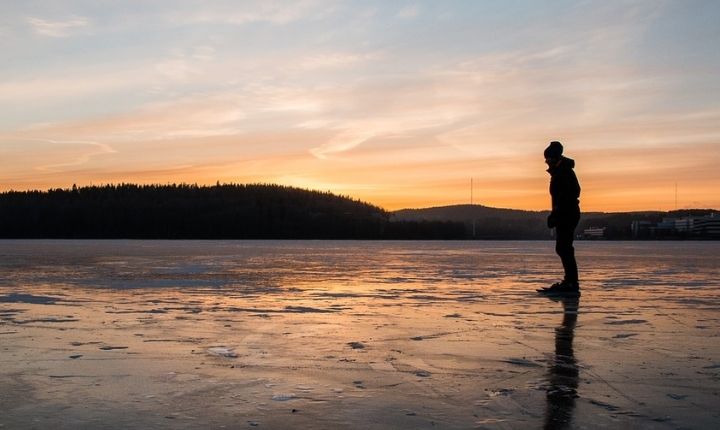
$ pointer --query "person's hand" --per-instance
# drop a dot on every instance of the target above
(551, 223)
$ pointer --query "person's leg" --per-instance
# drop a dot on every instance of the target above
(565, 234)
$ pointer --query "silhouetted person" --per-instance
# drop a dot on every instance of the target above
(565, 215)
(563, 374)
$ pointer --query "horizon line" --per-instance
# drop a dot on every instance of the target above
(219, 183)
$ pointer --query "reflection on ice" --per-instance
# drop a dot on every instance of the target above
(564, 372)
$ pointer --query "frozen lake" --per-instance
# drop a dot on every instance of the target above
(353, 334)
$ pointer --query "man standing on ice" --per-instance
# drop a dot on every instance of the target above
(564, 217)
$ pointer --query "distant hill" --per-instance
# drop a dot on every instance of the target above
(490, 223)
(497, 223)
(462, 213)
(183, 211)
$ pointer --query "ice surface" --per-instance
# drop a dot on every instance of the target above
(367, 335)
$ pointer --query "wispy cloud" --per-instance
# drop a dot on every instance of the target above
(64, 28)
(185, 117)
(51, 155)
(247, 12)
(409, 12)
(93, 149)
(68, 86)
(336, 60)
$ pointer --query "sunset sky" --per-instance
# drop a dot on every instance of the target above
(398, 103)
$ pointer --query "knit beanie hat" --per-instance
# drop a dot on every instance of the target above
(554, 151)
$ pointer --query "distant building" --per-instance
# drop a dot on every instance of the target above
(641, 229)
(666, 226)
(707, 226)
(594, 233)
(684, 225)
(695, 227)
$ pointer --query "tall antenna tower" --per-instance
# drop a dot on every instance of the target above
(676, 196)
(471, 208)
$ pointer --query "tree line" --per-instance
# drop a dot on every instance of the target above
(190, 211)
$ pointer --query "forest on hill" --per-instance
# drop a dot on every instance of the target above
(187, 211)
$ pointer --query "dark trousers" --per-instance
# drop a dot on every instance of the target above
(564, 236)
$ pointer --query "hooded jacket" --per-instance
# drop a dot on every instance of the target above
(564, 190)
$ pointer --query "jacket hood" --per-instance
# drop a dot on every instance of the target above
(565, 163)
(568, 162)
